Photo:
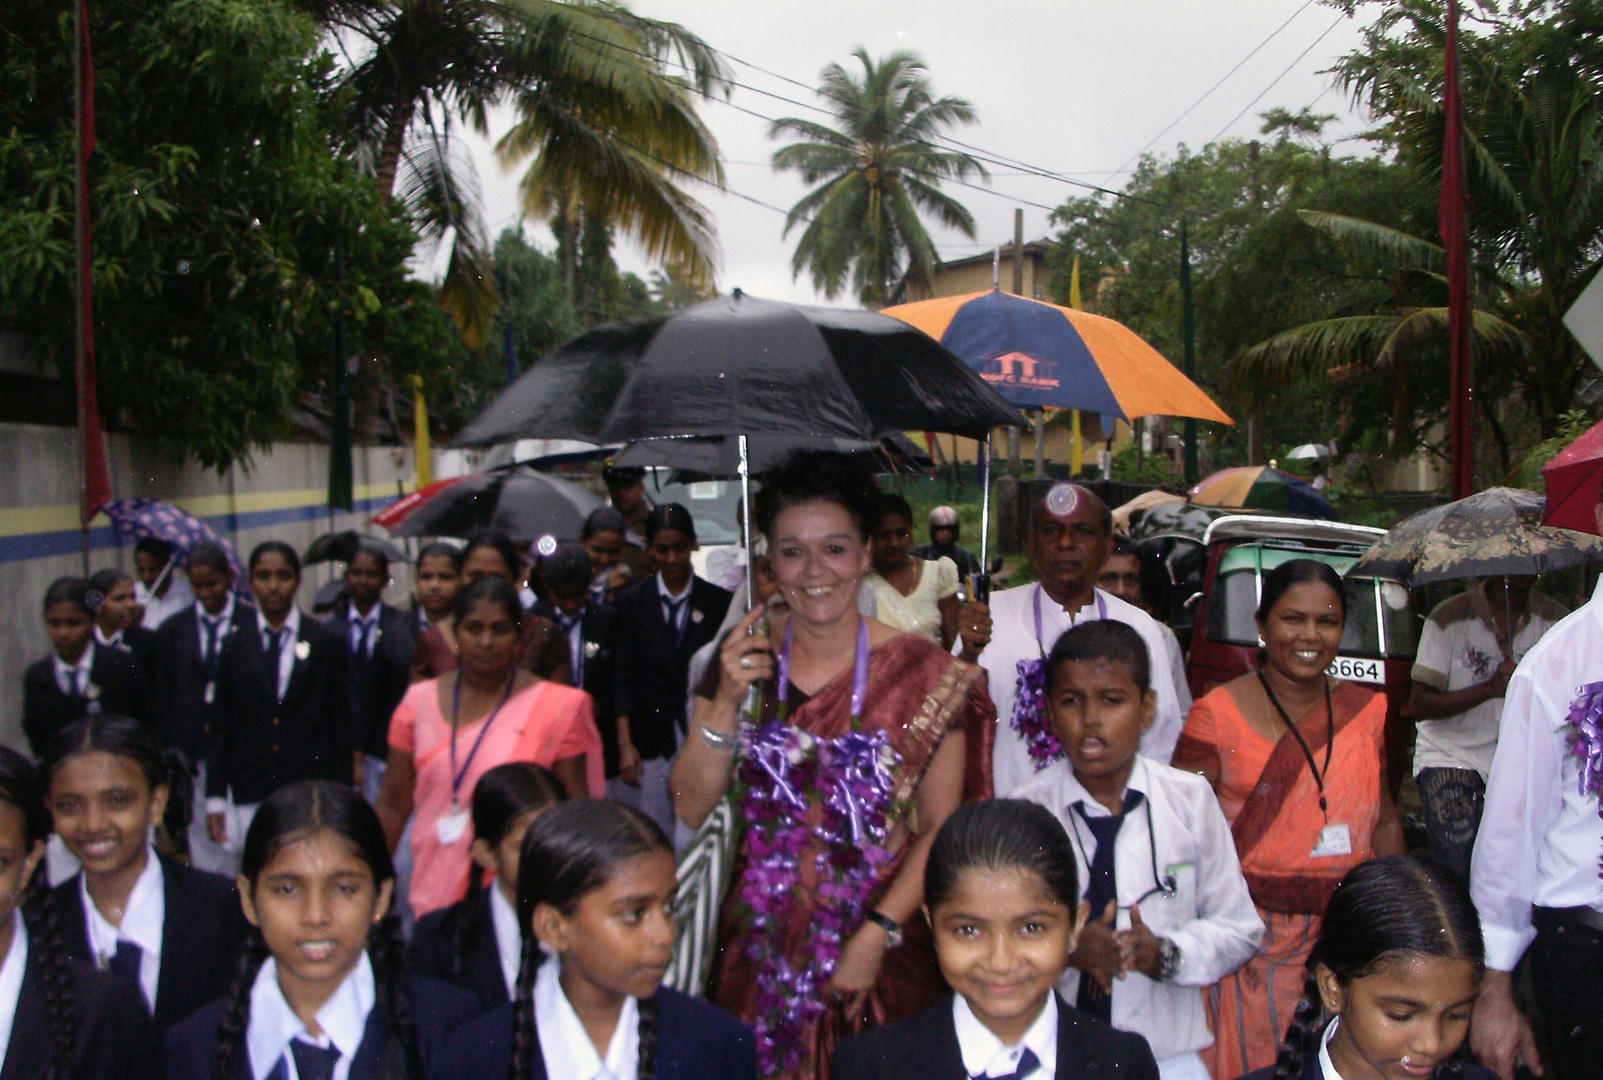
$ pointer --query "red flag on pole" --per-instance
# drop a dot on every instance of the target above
(1454, 228)
(96, 479)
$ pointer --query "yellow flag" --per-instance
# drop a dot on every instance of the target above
(1076, 452)
(425, 454)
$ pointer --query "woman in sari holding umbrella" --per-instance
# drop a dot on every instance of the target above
(860, 753)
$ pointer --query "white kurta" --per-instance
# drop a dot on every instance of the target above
(1013, 639)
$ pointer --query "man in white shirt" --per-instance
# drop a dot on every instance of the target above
(1069, 539)
(1461, 672)
(1534, 876)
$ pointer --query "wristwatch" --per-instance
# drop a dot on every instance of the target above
(892, 928)
(1168, 960)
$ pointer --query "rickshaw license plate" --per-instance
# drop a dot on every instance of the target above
(1354, 670)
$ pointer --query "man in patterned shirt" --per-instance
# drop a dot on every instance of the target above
(1460, 675)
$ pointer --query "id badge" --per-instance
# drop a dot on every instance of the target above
(1334, 840)
(452, 824)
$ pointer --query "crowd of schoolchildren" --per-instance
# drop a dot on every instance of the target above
(257, 842)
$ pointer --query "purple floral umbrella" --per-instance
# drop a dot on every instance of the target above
(156, 520)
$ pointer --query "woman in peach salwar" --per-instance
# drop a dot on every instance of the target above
(447, 732)
(1306, 801)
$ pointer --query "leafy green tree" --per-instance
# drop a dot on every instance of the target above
(1258, 267)
(874, 173)
(229, 232)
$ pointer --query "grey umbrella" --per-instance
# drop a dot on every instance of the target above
(520, 501)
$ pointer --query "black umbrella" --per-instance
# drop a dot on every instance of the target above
(342, 547)
(740, 365)
(746, 367)
(519, 501)
(705, 457)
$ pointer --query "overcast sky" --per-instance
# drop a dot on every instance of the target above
(1072, 86)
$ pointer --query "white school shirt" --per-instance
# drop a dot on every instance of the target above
(1326, 1066)
(664, 597)
(1210, 917)
(142, 921)
(986, 1055)
(1540, 840)
(1013, 639)
(11, 972)
(564, 1044)
(112, 642)
(73, 679)
(158, 609)
(274, 1025)
(286, 647)
(508, 938)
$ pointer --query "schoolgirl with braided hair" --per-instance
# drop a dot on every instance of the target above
(322, 991)
(1392, 980)
(59, 1019)
(595, 902)
(79, 678)
(171, 931)
(476, 943)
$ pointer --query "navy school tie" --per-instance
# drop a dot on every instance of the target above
(1102, 890)
(314, 1062)
(1028, 1063)
(125, 964)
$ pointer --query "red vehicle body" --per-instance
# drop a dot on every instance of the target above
(1382, 631)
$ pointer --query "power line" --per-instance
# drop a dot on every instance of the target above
(1205, 94)
(1289, 68)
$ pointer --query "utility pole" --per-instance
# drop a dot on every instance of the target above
(1189, 329)
(1016, 466)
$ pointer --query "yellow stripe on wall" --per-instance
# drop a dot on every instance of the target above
(23, 521)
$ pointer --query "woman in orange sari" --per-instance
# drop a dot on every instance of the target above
(1306, 800)
(821, 932)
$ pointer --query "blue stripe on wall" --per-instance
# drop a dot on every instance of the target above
(70, 541)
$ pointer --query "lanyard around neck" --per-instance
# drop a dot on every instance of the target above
(1330, 739)
(1101, 613)
(859, 670)
(456, 705)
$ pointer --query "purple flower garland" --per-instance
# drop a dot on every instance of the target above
(1584, 738)
(851, 778)
(1030, 717)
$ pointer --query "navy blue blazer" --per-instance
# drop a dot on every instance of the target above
(457, 945)
(1312, 1071)
(598, 633)
(436, 1010)
(925, 1047)
(183, 717)
(118, 686)
(389, 674)
(649, 685)
(202, 934)
(260, 744)
(696, 1041)
(115, 1038)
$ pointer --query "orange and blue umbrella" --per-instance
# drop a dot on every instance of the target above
(1038, 355)
(1262, 487)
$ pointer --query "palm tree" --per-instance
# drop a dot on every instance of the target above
(419, 68)
(874, 173)
(1534, 164)
(610, 135)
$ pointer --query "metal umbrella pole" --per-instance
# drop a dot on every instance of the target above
(745, 519)
(982, 580)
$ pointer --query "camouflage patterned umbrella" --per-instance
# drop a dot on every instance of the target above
(1495, 532)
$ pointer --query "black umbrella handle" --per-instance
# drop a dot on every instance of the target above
(982, 588)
